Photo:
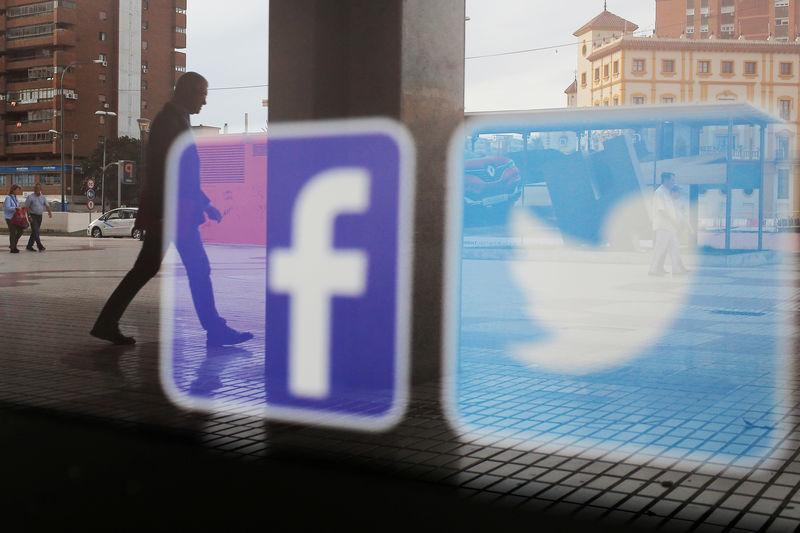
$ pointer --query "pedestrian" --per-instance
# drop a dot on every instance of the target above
(10, 206)
(189, 96)
(665, 226)
(36, 204)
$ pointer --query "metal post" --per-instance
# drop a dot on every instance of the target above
(761, 135)
(103, 180)
(72, 169)
(119, 186)
(728, 192)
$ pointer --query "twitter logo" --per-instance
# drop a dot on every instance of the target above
(564, 327)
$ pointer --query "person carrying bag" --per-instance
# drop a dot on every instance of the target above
(16, 218)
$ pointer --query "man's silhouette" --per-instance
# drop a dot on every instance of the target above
(193, 207)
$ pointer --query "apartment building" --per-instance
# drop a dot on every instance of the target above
(615, 67)
(728, 19)
(79, 57)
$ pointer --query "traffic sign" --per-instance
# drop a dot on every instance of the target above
(127, 172)
(90, 194)
(90, 183)
(90, 205)
(334, 332)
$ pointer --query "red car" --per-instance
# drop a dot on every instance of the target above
(491, 180)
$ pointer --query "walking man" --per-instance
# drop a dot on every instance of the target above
(188, 98)
(36, 204)
(665, 225)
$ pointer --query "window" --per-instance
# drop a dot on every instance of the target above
(703, 67)
(616, 68)
(782, 150)
(783, 184)
(144, 66)
(727, 67)
(616, 100)
(29, 10)
(102, 36)
(583, 78)
(180, 10)
(144, 45)
(668, 66)
(667, 99)
(145, 25)
(750, 67)
(103, 57)
(785, 108)
(179, 68)
(786, 69)
(597, 74)
(102, 15)
(638, 65)
(145, 5)
(35, 30)
(101, 77)
(637, 100)
(144, 84)
(605, 71)
(179, 29)
(49, 179)
(144, 104)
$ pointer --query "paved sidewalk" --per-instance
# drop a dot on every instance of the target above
(54, 297)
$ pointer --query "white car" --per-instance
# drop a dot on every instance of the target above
(116, 223)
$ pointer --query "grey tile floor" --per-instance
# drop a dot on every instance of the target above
(64, 370)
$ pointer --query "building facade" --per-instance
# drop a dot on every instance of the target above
(728, 19)
(617, 68)
(47, 54)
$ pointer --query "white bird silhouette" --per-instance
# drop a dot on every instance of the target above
(599, 308)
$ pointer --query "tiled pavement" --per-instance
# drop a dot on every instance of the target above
(66, 371)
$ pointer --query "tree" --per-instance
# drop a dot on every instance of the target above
(121, 148)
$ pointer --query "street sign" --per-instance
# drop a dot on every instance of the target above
(330, 312)
(127, 171)
(90, 205)
(90, 183)
(90, 194)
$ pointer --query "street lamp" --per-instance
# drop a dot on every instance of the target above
(144, 129)
(61, 94)
(105, 114)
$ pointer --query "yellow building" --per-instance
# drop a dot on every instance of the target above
(618, 68)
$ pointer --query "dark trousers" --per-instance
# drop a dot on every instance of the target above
(14, 233)
(36, 223)
(147, 264)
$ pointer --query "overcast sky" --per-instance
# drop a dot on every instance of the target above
(230, 47)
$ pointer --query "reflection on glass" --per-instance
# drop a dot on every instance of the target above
(569, 327)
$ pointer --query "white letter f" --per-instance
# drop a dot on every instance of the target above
(312, 271)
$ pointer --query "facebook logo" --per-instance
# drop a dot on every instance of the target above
(338, 261)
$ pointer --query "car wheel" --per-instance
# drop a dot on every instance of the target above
(96, 233)
(137, 234)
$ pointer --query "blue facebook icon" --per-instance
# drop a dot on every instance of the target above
(338, 258)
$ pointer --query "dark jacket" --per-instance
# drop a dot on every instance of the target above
(169, 123)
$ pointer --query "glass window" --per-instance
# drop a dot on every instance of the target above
(667, 99)
(703, 67)
(637, 100)
(750, 67)
(616, 67)
(727, 67)
(786, 69)
(638, 65)
(785, 108)
(783, 184)
(102, 36)
(605, 71)
(668, 65)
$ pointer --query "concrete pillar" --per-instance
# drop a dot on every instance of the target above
(398, 58)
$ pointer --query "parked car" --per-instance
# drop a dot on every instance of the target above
(116, 223)
(490, 181)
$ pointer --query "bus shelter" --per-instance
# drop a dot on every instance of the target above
(602, 154)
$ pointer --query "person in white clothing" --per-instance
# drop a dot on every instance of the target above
(665, 225)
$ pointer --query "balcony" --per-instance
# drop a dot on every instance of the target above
(64, 37)
(2, 64)
(33, 105)
(40, 41)
(66, 15)
(179, 40)
(47, 148)
(738, 155)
